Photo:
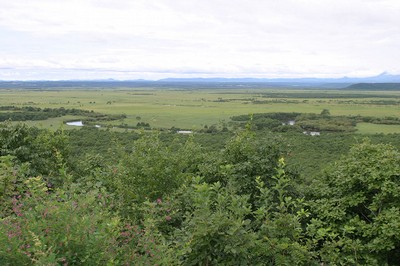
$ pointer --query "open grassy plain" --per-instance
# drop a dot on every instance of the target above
(192, 109)
(369, 128)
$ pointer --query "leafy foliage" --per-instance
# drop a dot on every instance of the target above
(147, 201)
(45, 151)
(152, 170)
(356, 207)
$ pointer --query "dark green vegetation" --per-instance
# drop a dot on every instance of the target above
(98, 197)
(297, 122)
(30, 113)
(247, 190)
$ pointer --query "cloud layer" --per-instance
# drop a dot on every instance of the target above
(47, 39)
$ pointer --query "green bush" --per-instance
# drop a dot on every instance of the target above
(356, 208)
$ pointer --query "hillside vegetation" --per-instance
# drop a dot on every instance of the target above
(175, 202)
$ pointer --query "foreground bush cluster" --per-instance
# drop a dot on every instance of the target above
(177, 204)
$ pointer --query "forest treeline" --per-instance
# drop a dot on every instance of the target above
(375, 86)
(158, 199)
(31, 113)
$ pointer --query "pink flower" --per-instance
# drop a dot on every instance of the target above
(159, 201)
(168, 218)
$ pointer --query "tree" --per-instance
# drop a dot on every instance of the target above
(325, 112)
(357, 208)
(247, 156)
(152, 170)
(45, 151)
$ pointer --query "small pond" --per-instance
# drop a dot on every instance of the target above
(79, 124)
(75, 123)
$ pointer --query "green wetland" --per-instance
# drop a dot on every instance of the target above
(194, 108)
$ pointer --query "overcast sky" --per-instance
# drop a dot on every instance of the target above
(152, 39)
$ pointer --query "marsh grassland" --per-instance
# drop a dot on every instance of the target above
(195, 108)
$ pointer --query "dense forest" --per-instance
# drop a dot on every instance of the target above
(250, 197)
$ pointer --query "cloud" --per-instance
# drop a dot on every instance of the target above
(236, 37)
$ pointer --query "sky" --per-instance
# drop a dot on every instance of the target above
(142, 39)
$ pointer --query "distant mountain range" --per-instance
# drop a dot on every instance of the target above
(382, 78)
(378, 83)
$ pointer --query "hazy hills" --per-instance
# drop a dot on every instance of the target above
(383, 81)
(382, 78)
(375, 86)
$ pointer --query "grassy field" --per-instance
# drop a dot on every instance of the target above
(192, 109)
(368, 128)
